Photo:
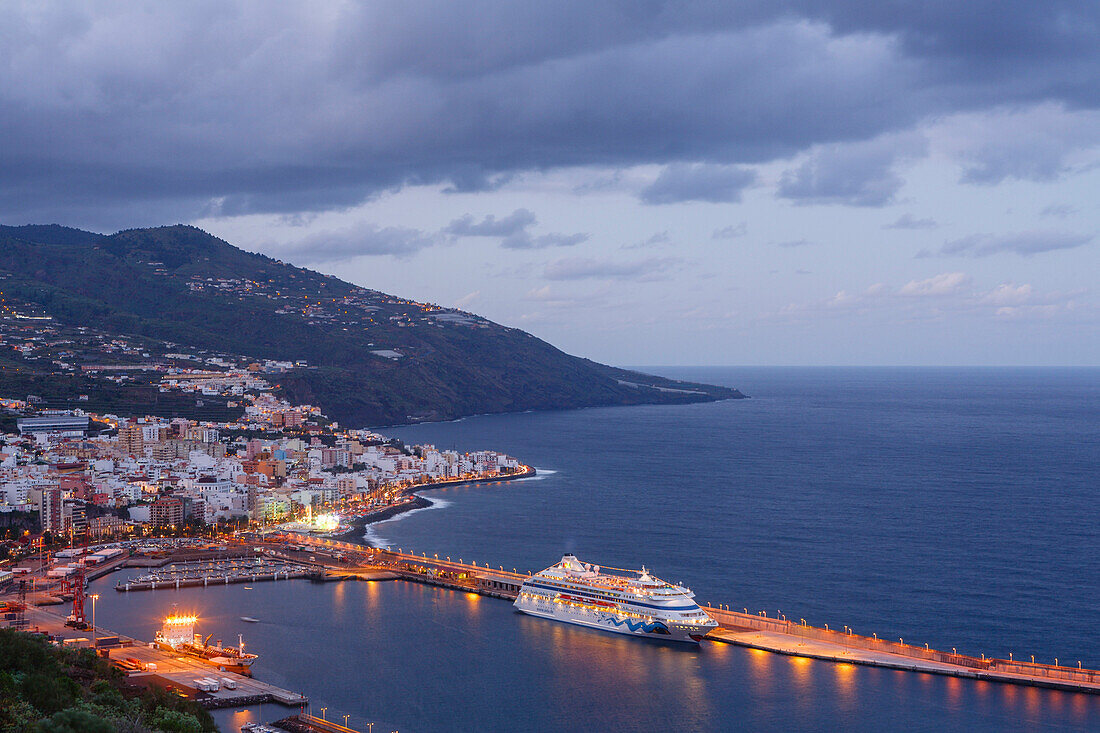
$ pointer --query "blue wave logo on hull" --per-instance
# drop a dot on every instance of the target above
(646, 627)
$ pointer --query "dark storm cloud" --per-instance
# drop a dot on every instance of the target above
(118, 114)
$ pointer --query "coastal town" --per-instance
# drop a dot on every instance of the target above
(32, 339)
(71, 474)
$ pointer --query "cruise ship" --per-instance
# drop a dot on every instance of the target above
(626, 602)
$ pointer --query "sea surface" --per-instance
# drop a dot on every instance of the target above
(956, 507)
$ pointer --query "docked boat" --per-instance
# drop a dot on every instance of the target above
(178, 636)
(624, 601)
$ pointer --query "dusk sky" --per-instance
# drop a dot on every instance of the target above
(826, 182)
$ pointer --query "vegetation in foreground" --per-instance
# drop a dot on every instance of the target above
(47, 689)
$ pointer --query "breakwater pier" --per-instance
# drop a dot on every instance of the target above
(756, 631)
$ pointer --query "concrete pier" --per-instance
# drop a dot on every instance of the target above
(802, 640)
(305, 723)
(145, 665)
(754, 631)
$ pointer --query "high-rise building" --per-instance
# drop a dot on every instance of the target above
(130, 440)
(153, 433)
(75, 516)
(50, 510)
(164, 451)
(166, 511)
(253, 501)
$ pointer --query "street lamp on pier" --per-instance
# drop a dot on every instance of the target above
(94, 597)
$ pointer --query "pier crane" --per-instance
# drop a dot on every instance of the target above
(21, 608)
(76, 619)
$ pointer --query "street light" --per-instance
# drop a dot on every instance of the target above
(346, 720)
(94, 597)
(323, 712)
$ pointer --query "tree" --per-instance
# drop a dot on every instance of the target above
(175, 721)
(74, 721)
(49, 691)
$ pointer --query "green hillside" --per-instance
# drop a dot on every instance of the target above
(365, 357)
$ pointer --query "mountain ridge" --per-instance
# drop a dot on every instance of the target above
(369, 357)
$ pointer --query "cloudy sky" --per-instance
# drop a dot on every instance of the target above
(761, 182)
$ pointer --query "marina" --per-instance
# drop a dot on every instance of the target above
(215, 572)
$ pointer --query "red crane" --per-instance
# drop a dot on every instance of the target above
(76, 618)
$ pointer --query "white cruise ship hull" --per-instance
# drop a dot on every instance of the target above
(608, 620)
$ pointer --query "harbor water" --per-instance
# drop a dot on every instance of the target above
(947, 506)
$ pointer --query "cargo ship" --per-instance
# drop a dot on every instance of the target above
(178, 636)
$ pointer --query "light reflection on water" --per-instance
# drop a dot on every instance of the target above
(416, 658)
(844, 675)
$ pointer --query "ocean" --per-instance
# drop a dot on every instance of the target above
(955, 507)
